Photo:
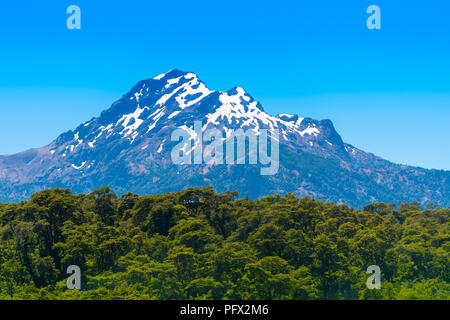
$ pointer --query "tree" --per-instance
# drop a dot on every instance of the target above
(104, 204)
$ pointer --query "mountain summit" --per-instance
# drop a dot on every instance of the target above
(128, 148)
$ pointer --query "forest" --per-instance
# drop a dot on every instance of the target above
(199, 244)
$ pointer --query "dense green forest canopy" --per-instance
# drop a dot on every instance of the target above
(197, 244)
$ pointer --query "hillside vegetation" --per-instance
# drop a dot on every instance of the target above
(198, 244)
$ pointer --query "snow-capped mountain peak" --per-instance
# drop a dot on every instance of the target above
(175, 99)
(128, 147)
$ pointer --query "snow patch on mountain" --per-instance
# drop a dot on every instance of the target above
(79, 167)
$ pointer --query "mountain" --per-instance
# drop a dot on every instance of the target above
(128, 147)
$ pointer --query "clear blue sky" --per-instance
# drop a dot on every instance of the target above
(387, 91)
